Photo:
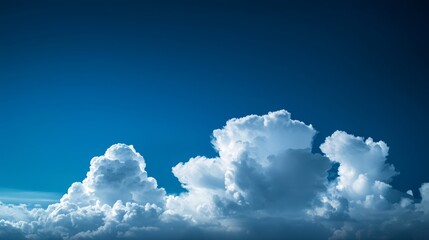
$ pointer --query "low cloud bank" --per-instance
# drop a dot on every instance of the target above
(265, 183)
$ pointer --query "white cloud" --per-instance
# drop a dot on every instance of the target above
(32, 198)
(424, 204)
(204, 178)
(201, 173)
(363, 166)
(117, 193)
(265, 157)
(120, 175)
(265, 183)
(265, 167)
(374, 208)
(262, 136)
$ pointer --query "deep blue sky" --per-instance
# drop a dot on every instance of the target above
(76, 77)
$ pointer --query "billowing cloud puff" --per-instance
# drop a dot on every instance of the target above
(424, 192)
(262, 136)
(265, 183)
(265, 168)
(363, 174)
(363, 166)
(118, 175)
(114, 199)
(374, 209)
(259, 152)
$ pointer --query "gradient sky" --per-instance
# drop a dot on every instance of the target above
(77, 78)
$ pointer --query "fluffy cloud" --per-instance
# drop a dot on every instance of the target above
(265, 183)
(363, 174)
(373, 208)
(363, 168)
(114, 199)
(120, 175)
(424, 205)
(265, 168)
(264, 157)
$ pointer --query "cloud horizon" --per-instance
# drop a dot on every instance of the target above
(265, 183)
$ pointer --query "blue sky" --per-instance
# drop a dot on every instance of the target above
(77, 77)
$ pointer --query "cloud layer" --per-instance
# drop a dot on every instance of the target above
(265, 183)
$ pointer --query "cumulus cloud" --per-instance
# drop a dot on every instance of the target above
(374, 209)
(265, 183)
(363, 173)
(265, 156)
(265, 164)
(363, 168)
(115, 198)
(424, 204)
